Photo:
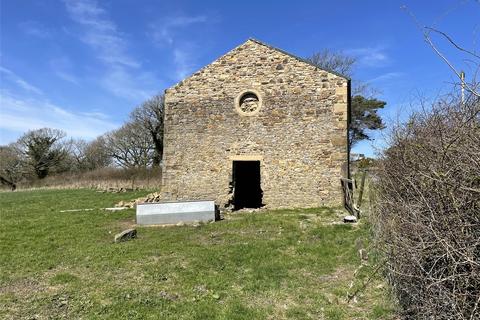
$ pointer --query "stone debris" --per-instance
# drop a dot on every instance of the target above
(77, 210)
(363, 255)
(116, 208)
(350, 219)
(149, 198)
(117, 190)
(126, 235)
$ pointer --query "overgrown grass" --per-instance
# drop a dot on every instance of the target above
(287, 264)
(101, 178)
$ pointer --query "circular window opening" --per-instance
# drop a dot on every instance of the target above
(248, 103)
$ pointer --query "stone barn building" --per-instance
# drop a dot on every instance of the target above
(256, 127)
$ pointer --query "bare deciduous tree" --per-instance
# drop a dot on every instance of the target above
(470, 59)
(11, 166)
(88, 155)
(96, 155)
(150, 115)
(130, 146)
(331, 60)
(428, 211)
(428, 199)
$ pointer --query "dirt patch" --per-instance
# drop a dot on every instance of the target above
(278, 302)
(22, 288)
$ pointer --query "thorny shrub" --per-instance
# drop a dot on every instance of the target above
(428, 211)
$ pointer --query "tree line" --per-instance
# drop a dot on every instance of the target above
(138, 143)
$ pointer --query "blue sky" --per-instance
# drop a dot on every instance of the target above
(82, 66)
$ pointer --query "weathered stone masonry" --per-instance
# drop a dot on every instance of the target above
(299, 133)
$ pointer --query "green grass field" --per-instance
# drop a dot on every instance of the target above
(285, 264)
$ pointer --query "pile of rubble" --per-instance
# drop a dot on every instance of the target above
(152, 197)
(117, 190)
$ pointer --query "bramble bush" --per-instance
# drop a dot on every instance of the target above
(427, 209)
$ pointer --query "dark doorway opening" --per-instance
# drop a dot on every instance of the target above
(246, 183)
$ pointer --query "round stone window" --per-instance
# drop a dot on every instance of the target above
(248, 103)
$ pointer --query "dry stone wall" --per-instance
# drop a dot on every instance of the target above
(298, 131)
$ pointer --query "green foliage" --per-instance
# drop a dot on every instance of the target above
(365, 117)
(42, 150)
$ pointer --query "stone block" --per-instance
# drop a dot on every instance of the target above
(125, 235)
(339, 141)
(340, 108)
(176, 212)
(350, 219)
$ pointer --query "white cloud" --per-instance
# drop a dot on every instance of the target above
(123, 84)
(172, 32)
(387, 76)
(63, 68)
(164, 31)
(18, 81)
(184, 63)
(122, 76)
(20, 114)
(370, 57)
(67, 76)
(100, 32)
(35, 29)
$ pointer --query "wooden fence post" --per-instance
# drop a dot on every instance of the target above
(362, 186)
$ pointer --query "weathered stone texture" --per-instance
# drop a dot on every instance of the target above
(299, 134)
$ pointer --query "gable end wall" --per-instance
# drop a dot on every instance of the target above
(299, 134)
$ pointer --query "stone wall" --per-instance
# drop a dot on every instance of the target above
(299, 133)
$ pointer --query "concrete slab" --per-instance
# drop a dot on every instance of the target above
(175, 212)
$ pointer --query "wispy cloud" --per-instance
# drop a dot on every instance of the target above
(123, 83)
(122, 75)
(35, 29)
(62, 67)
(20, 114)
(172, 32)
(18, 81)
(184, 64)
(370, 56)
(387, 77)
(164, 31)
(100, 32)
